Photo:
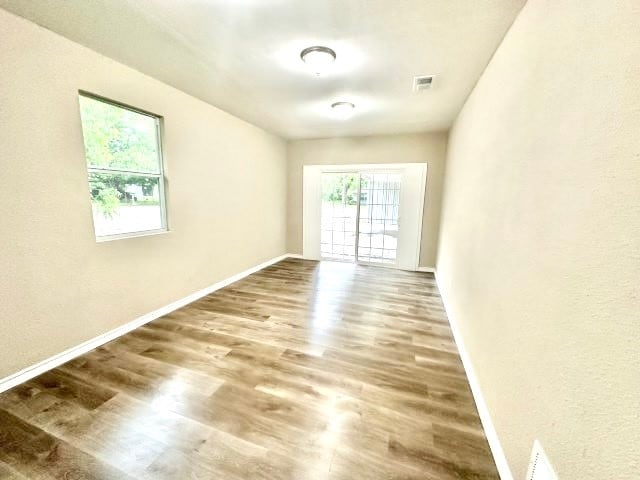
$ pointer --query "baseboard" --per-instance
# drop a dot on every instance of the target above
(426, 269)
(419, 269)
(56, 360)
(483, 411)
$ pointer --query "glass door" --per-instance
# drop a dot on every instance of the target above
(378, 217)
(353, 213)
(338, 220)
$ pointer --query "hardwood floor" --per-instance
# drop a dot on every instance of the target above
(303, 370)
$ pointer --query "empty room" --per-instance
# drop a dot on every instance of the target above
(320, 240)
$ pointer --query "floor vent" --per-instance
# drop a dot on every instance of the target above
(539, 466)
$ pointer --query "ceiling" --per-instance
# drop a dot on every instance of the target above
(243, 55)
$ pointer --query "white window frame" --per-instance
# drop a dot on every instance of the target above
(160, 175)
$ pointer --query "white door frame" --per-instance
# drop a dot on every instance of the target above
(414, 179)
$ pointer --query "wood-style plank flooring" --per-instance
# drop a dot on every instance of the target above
(304, 370)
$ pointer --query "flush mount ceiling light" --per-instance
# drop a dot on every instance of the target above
(343, 109)
(319, 59)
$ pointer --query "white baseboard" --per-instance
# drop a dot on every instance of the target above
(483, 411)
(426, 269)
(56, 360)
(419, 269)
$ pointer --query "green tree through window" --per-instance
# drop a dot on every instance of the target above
(123, 160)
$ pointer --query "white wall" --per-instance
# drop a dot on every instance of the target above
(226, 199)
(426, 148)
(539, 255)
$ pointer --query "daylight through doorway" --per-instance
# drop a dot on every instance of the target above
(362, 206)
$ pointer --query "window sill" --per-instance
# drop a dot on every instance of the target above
(123, 236)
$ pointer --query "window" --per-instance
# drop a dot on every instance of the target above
(124, 163)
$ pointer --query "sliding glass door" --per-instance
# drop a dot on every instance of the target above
(364, 213)
(378, 214)
(363, 206)
(338, 220)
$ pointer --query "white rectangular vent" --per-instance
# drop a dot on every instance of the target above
(422, 83)
(539, 466)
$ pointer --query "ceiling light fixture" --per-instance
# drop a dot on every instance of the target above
(318, 58)
(343, 109)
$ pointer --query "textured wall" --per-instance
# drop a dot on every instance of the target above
(539, 252)
(226, 199)
(413, 148)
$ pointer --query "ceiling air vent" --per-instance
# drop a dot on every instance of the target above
(422, 83)
(539, 466)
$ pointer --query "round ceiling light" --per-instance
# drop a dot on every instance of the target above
(343, 109)
(319, 59)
